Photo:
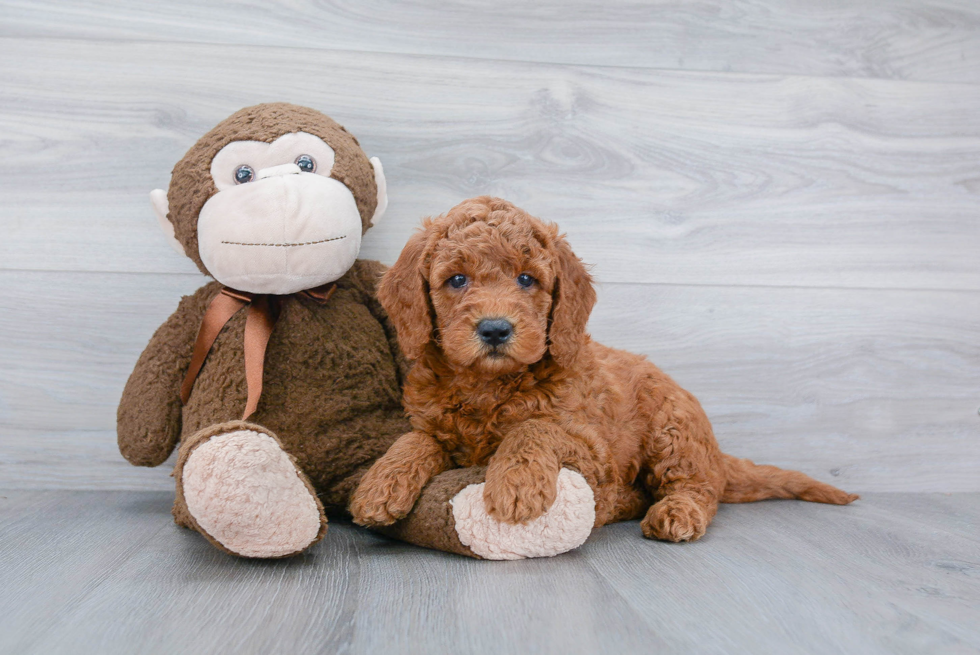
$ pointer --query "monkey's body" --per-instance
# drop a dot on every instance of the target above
(331, 386)
(331, 383)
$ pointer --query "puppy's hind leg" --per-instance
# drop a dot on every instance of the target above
(685, 477)
(681, 515)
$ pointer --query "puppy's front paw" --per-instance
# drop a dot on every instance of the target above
(675, 518)
(519, 494)
(381, 504)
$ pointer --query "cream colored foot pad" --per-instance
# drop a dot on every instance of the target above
(244, 491)
(566, 525)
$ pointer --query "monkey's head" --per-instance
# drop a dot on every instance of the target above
(274, 199)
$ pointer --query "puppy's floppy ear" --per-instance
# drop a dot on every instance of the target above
(404, 294)
(571, 304)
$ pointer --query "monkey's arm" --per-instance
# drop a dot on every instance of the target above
(149, 416)
(365, 275)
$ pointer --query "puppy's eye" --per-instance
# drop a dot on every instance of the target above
(457, 281)
(525, 280)
(306, 163)
(244, 174)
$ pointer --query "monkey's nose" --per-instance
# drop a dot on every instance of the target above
(495, 331)
(282, 169)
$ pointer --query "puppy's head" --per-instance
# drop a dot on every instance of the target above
(493, 287)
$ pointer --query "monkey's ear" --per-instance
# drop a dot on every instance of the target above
(379, 179)
(158, 198)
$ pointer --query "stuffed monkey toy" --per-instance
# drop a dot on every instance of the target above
(282, 379)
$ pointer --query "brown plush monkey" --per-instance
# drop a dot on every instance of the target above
(272, 203)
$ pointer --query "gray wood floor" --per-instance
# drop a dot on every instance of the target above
(781, 201)
(107, 572)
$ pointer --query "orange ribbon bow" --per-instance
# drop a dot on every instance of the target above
(263, 312)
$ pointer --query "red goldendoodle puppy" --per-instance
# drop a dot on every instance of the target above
(492, 305)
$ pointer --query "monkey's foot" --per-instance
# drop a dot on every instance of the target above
(248, 497)
(566, 524)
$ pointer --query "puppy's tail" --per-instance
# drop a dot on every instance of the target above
(748, 482)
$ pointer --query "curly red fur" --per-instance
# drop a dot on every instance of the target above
(547, 398)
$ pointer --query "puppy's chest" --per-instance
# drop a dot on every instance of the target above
(474, 431)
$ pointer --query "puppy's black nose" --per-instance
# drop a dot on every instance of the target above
(494, 331)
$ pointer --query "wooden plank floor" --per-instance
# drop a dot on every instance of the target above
(108, 572)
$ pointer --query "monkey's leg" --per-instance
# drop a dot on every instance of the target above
(450, 515)
(240, 489)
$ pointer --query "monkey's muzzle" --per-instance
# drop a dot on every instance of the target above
(285, 232)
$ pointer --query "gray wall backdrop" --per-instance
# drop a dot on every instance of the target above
(781, 199)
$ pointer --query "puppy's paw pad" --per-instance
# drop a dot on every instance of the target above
(245, 492)
(566, 524)
(675, 519)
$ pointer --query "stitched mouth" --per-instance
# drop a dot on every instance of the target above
(283, 245)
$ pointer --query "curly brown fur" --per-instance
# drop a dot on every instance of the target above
(547, 398)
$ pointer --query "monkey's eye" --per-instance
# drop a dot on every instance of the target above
(244, 174)
(306, 163)
(525, 281)
(457, 281)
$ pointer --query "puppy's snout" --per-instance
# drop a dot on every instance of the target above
(495, 331)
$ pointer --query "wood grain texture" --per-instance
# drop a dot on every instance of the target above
(658, 177)
(108, 572)
(936, 40)
(868, 389)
